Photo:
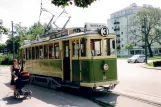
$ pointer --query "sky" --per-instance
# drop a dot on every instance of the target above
(27, 12)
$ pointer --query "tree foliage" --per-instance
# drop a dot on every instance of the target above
(22, 33)
(129, 46)
(2, 46)
(153, 16)
(37, 29)
(2, 28)
(78, 3)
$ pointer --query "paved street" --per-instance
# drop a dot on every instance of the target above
(134, 80)
(42, 97)
(137, 81)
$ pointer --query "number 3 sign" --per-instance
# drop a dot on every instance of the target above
(104, 31)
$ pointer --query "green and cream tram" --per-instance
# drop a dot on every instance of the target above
(72, 58)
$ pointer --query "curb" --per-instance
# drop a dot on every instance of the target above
(147, 67)
(158, 104)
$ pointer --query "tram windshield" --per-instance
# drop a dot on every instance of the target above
(97, 47)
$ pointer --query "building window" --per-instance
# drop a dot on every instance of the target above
(122, 45)
(121, 33)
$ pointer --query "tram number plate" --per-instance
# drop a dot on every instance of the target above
(104, 77)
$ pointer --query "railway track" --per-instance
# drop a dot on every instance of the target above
(95, 96)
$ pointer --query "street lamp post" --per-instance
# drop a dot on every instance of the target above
(13, 42)
(145, 40)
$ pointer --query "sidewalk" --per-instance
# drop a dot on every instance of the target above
(149, 67)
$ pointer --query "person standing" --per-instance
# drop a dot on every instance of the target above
(15, 68)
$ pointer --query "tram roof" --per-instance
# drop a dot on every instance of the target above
(88, 33)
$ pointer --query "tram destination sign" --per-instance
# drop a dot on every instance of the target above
(94, 26)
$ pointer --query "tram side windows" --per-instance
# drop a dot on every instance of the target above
(51, 50)
(23, 53)
(109, 47)
(83, 47)
(46, 51)
(37, 52)
(95, 46)
(41, 52)
(33, 52)
(75, 47)
(56, 50)
(30, 53)
(27, 54)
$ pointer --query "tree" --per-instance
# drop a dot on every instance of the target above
(3, 30)
(78, 3)
(129, 47)
(153, 16)
(158, 36)
(2, 46)
(37, 29)
(17, 44)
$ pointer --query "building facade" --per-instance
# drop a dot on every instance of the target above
(119, 24)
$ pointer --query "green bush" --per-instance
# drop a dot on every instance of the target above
(157, 63)
(6, 60)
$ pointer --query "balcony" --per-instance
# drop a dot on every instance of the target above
(118, 35)
(116, 29)
(118, 41)
(118, 47)
(116, 22)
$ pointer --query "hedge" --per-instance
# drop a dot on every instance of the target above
(157, 63)
(6, 60)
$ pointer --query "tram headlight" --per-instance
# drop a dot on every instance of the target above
(105, 67)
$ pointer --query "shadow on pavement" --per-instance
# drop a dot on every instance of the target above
(64, 97)
(8, 85)
(11, 100)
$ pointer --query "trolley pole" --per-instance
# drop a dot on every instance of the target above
(13, 47)
(145, 40)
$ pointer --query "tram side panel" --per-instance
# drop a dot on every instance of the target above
(55, 68)
(93, 71)
(76, 70)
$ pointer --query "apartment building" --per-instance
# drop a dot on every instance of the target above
(119, 24)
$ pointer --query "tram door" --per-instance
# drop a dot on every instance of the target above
(66, 60)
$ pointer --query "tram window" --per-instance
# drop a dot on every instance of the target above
(109, 49)
(95, 45)
(75, 47)
(37, 52)
(23, 53)
(46, 51)
(83, 49)
(51, 50)
(41, 52)
(56, 50)
(29, 53)
(33, 52)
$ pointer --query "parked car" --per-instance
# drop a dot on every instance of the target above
(136, 58)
